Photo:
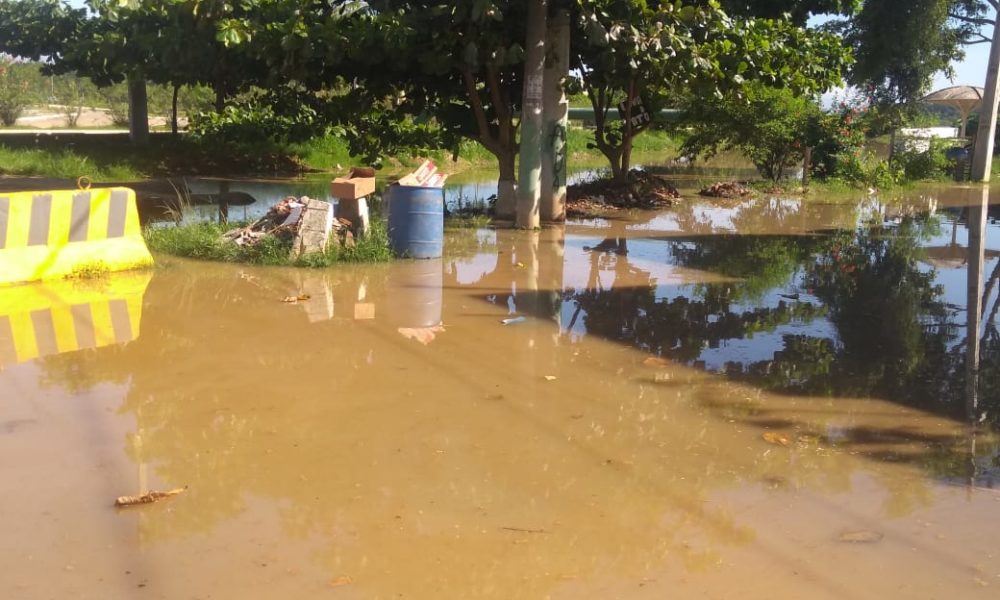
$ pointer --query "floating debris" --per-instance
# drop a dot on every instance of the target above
(726, 189)
(643, 190)
(861, 536)
(147, 498)
(514, 320)
(296, 299)
(773, 437)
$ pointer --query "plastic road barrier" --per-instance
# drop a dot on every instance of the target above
(53, 317)
(56, 234)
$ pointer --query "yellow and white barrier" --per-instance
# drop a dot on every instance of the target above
(53, 317)
(55, 234)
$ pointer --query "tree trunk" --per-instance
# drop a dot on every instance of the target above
(555, 117)
(530, 165)
(615, 160)
(173, 110)
(628, 133)
(138, 110)
(506, 185)
(220, 98)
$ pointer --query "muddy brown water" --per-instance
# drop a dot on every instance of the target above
(732, 399)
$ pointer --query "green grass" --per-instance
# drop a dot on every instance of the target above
(114, 158)
(61, 163)
(202, 241)
(327, 153)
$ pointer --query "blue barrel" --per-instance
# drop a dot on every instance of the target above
(416, 221)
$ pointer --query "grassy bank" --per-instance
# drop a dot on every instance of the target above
(64, 164)
(203, 241)
(114, 158)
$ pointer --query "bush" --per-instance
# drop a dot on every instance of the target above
(278, 116)
(770, 126)
(862, 168)
(15, 94)
(924, 164)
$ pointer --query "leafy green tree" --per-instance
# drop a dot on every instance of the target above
(657, 52)
(16, 89)
(900, 46)
(770, 126)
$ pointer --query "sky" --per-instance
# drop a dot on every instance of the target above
(971, 71)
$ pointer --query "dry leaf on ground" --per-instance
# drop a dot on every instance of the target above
(773, 437)
(655, 361)
(861, 536)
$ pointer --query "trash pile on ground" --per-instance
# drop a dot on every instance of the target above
(643, 190)
(727, 189)
(308, 223)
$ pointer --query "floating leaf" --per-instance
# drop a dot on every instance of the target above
(861, 536)
(773, 437)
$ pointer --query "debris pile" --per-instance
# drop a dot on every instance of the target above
(726, 189)
(305, 222)
(643, 190)
(426, 175)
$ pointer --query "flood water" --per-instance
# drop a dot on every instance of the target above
(731, 399)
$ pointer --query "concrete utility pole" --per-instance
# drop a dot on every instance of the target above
(138, 110)
(555, 120)
(982, 159)
(530, 167)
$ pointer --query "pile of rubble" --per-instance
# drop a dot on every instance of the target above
(307, 223)
(643, 190)
(726, 189)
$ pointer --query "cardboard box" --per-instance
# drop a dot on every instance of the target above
(359, 183)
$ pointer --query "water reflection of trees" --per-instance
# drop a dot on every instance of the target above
(679, 328)
(895, 337)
